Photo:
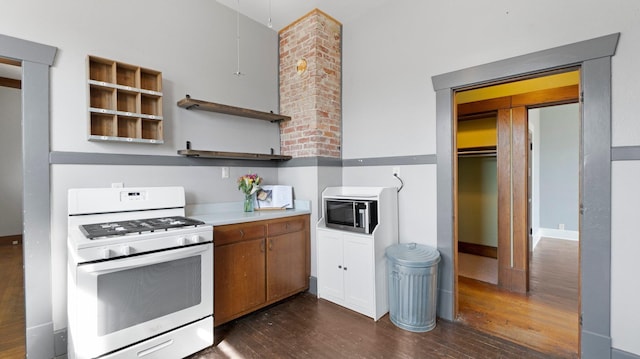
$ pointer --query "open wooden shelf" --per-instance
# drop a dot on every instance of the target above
(233, 155)
(193, 104)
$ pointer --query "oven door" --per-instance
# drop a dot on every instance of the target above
(123, 301)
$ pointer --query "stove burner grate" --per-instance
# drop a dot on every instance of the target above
(114, 229)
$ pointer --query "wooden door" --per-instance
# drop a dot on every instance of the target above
(513, 251)
(239, 285)
(286, 265)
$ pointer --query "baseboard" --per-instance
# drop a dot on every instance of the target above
(39, 340)
(621, 354)
(60, 343)
(594, 346)
(554, 233)
(445, 304)
(11, 240)
(313, 285)
(557, 233)
(478, 249)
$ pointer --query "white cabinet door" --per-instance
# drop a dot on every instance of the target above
(330, 266)
(359, 273)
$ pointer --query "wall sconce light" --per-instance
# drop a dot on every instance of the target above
(301, 66)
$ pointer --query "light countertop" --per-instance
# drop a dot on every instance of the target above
(218, 214)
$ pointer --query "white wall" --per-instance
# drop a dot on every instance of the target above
(10, 162)
(389, 56)
(194, 45)
(559, 142)
(417, 201)
(534, 128)
(625, 246)
(391, 52)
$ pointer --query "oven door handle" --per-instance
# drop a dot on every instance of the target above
(121, 264)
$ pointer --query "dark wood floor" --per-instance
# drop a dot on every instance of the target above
(12, 327)
(546, 319)
(307, 327)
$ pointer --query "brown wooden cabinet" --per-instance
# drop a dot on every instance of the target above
(259, 263)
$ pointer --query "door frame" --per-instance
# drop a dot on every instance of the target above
(594, 59)
(36, 60)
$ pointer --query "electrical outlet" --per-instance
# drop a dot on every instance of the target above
(396, 171)
(561, 226)
(225, 172)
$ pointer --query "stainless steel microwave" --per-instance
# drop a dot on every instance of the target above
(355, 215)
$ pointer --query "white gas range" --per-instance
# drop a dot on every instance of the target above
(140, 275)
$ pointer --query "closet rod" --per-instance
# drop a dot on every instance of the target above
(487, 151)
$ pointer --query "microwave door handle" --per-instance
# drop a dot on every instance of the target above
(354, 207)
(121, 264)
(366, 219)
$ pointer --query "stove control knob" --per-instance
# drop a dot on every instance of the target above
(125, 250)
(182, 241)
(195, 238)
(106, 253)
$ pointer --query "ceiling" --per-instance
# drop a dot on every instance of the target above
(284, 12)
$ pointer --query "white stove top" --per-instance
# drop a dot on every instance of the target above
(104, 205)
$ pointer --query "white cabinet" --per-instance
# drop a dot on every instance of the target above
(352, 266)
(346, 272)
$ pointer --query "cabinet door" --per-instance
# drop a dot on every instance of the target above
(239, 279)
(359, 272)
(330, 269)
(286, 265)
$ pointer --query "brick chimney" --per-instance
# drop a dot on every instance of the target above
(310, 86)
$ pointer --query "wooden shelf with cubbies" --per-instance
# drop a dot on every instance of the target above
(125, 102)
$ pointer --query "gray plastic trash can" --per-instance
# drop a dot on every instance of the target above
(412, 271)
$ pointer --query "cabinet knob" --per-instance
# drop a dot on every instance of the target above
(339, 267)
(345, 268)
(271, 244)
(241, 233)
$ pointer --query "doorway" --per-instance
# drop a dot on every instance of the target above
(496, 259)
(35, 60)
(12, 319)
(594, 59)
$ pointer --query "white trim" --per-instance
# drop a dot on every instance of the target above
(554, 233)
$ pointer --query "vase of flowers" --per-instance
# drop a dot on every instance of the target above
(249, 184)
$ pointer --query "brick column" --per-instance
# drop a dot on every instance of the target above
(310, 86)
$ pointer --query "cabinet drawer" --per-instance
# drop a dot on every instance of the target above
(236, 233)
(291, 225)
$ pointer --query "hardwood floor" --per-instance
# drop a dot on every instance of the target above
(545, 319)
(12, 326)
(307, 327)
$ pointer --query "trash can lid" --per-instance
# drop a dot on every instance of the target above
(413, 255)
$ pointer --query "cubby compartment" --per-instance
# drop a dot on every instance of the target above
(128, 101)
(150, 80)
(127, 75)
(102, 98)
(101, 70)
(152, 129)
(128, 127)
(125, 102)
(103, 124)
(151, 105)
